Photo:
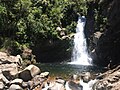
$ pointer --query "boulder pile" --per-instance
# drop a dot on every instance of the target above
(14, 77)
(110, 80)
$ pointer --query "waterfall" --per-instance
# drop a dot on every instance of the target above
(80, 54)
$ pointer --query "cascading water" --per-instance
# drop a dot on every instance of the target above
(80, 54)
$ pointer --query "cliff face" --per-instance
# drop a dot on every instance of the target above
(107, 49)
(52, 51)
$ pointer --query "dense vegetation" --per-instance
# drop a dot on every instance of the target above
(32, 23)
(25, 22)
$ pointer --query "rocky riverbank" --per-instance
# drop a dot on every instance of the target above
(109, 80)
(13, 76)
(103, 31)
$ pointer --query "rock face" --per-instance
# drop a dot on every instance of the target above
(12, 77)
(31, 78)
(107, 46)
(52, 51)
(110, 80)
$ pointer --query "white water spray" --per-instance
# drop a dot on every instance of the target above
(80, 54)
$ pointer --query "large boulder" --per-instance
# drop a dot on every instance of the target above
(11, 78)
(29, 72)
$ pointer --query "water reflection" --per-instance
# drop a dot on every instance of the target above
(65, 70)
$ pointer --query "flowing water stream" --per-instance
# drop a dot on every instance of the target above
(80, 54)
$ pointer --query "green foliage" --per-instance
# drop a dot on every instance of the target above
(10, 46)
(100, 17)
(30, 21)
(2, 10)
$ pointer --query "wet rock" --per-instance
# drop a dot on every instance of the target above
(87, 77)
(110, 80)
(15, 87)
(70, 85)
(29, 72)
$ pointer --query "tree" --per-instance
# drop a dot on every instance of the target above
(27, 21)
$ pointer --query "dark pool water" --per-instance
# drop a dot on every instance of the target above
(66, 70)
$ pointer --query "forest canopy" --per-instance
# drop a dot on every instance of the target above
(26, 22)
